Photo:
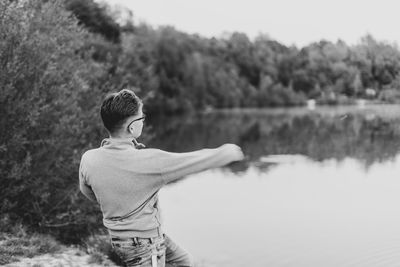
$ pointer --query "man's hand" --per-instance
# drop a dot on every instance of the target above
(234, 150)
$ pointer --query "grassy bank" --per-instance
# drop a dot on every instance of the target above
(20, 247)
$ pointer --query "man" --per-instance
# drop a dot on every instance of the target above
(125, 181)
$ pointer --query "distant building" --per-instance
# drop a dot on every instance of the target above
(370, 93)
(311, 104)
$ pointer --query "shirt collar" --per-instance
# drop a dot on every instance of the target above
(110, 142)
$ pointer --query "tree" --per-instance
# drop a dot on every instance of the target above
(96, 18)
(43, 80)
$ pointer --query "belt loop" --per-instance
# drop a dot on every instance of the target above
(154, 260)
(135, 240)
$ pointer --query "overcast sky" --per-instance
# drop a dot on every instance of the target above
(296, 22)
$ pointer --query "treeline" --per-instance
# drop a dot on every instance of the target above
(180, 72)
(59, 58)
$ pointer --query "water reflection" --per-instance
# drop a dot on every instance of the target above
(298, 214)
(369, 135)
(319, 188)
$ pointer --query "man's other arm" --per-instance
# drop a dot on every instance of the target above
(83, 186)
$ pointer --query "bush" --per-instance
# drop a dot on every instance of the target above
(44, 124)
(390, 96)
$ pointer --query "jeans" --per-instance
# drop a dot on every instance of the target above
(145, 252)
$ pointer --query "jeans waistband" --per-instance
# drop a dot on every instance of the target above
(125, 233)
(137, 240)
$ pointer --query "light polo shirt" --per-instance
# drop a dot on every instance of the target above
(125, 182)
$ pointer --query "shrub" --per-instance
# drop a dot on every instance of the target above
(44, 76)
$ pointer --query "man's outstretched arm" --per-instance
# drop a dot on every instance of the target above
(174, 166)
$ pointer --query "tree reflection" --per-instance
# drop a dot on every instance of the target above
(364, 136)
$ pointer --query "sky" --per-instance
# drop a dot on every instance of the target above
(291, 22)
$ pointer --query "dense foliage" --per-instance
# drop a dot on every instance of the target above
(59, 58)
(45, 82)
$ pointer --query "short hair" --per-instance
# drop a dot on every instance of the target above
(117, 107)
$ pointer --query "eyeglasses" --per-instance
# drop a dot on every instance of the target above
(138, 119)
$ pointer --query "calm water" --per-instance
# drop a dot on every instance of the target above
(318, 188)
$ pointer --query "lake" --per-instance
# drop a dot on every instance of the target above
(318, 187)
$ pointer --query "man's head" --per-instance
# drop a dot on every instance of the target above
(122, 114)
